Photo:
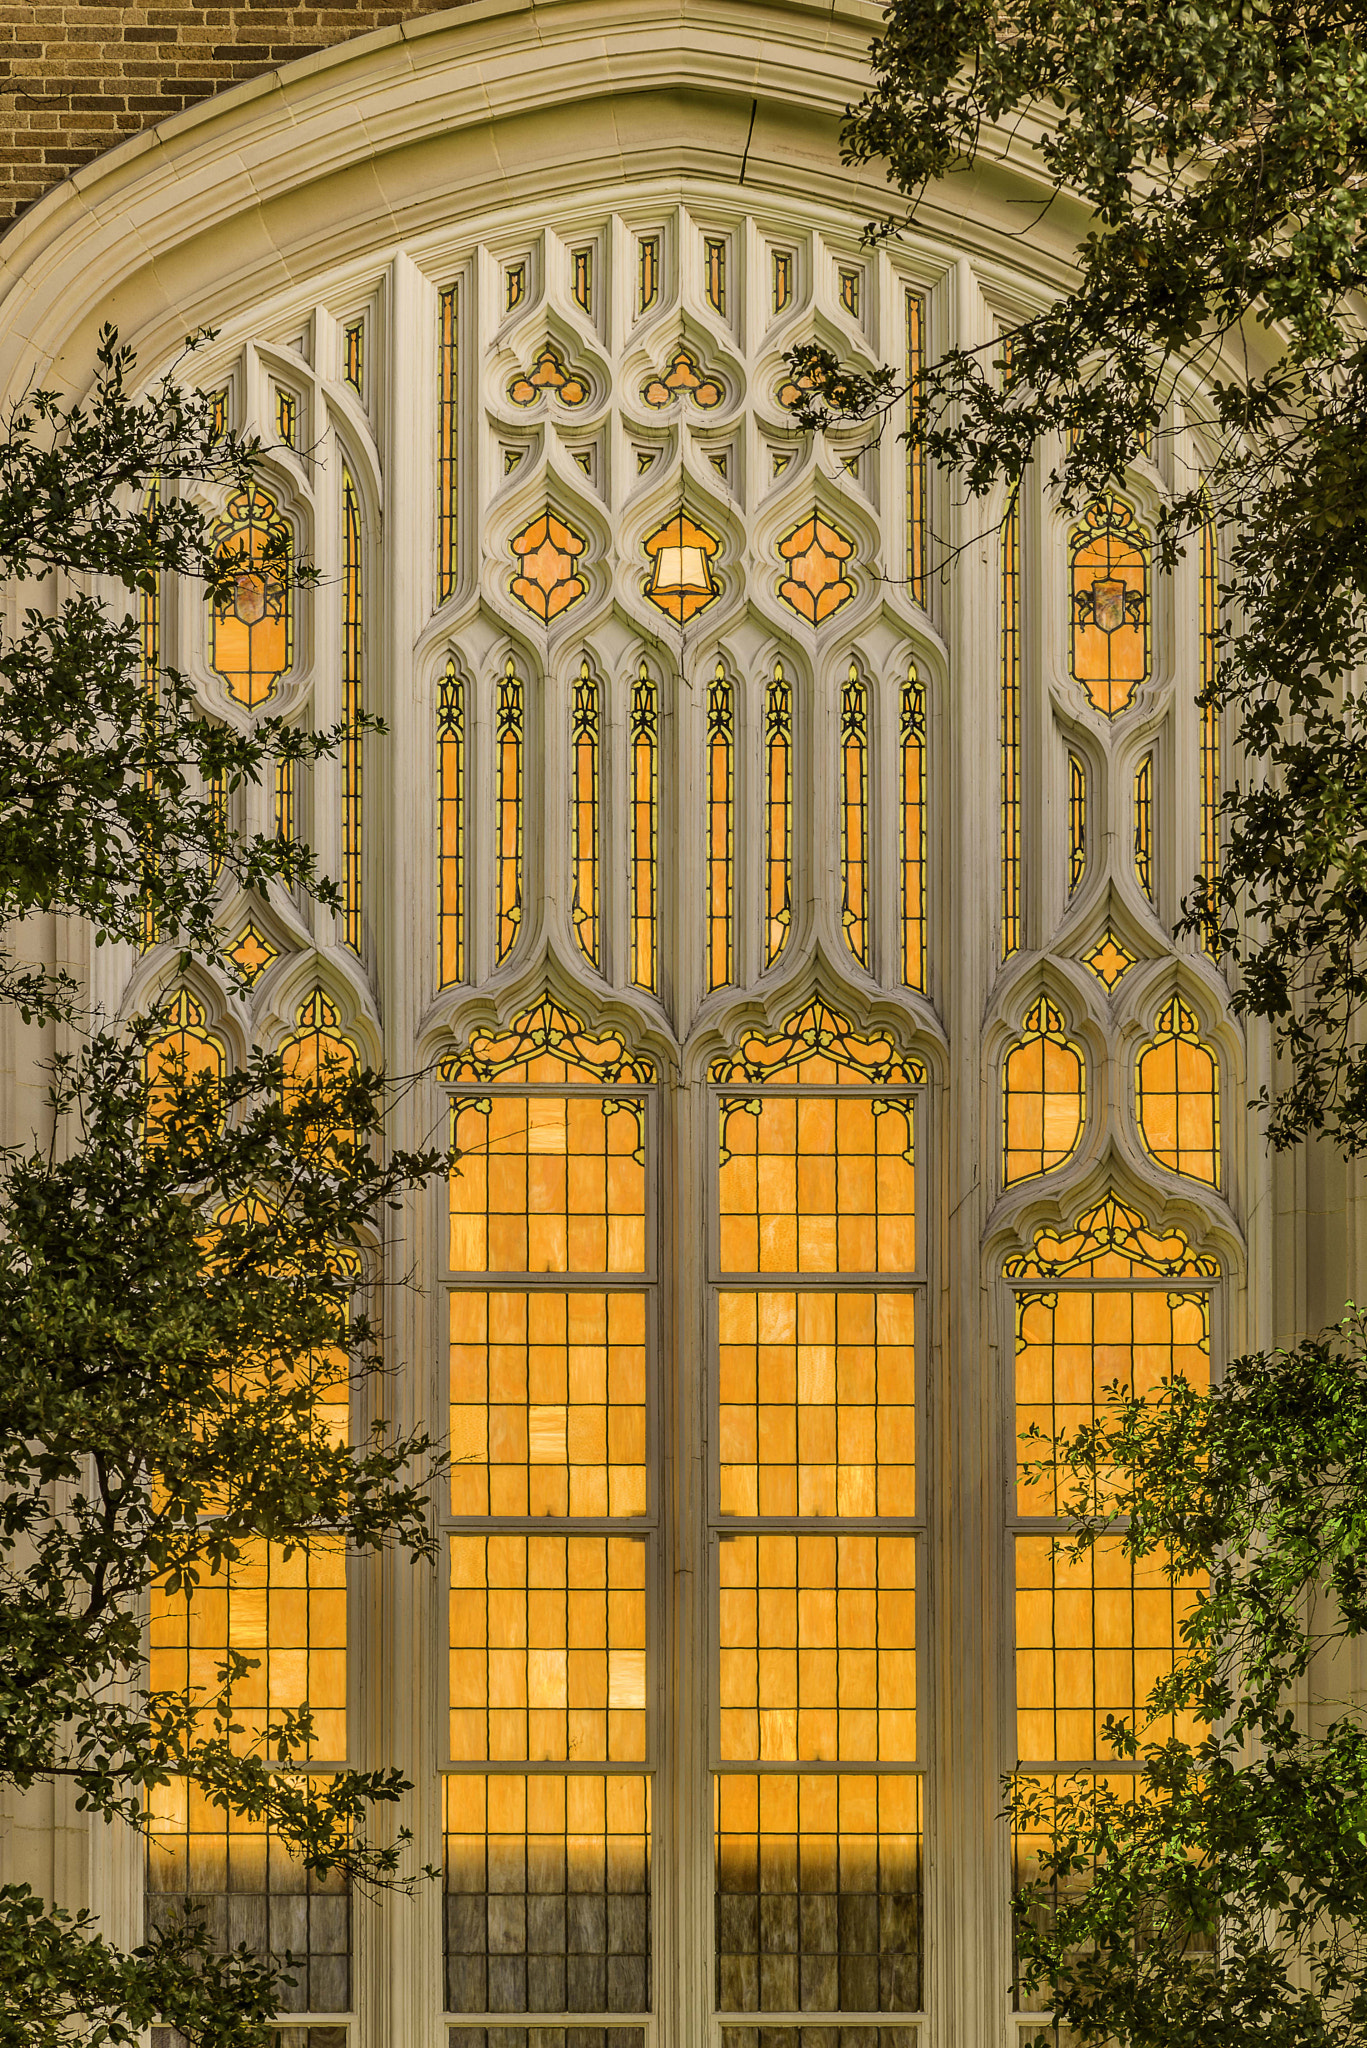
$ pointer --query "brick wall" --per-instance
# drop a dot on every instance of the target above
(75, 78)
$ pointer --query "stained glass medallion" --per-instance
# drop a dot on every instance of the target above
(549, 373)
(1108, 959)
(816, 585)
(547, 551)
(253, 626)
(681, 581)
(682, 376)
(1177, 1095)
(252, 953)
(1109, 555)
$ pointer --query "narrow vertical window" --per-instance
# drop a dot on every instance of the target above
(778, 769)
(854, 815)
(912, 736)
(581, 281)
(284, 800)
(1011, 729)
(714, 260)
(1110, 651)
(218, 810)
(721, 828)
(351, 711)
(1077, 821)
(1210, 717)
(645, 817)
(1044, 1096)
(448, 423)
(649, 274)
(353, 356)
(1143, 825)
(218, 413)
(783, 280)
(515, 284)
(149, 623)
(849, 292)
(287, 418)
(584, 723)
(508, 738)
(1177, 1095)
(916, 456)
(451, 750)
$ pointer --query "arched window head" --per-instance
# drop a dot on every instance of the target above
(1177, 1096)
(318, 1066)
(1109, 561)
(1044, 1096)
(253, 624)
(183, 1059)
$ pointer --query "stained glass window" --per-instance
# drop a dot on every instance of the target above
(1210, 714)
(721, 829)
(508, 740)
(547, 580)
(714, 269)
(1077, 821)
(782, 279)
(547, 1874)
(1143, 825)
(514, 285)
(849, 292)
(318, 1059)
(284, 800)
(645, 820)
(778, 742)
(253, 625)
(581, 278)
(912, 738)
(1108, 958)
(854, 814)
(916, 457)
(815, 583)
(183, 1055)
(1109, 554)
(351, 710)
(451, 803)
(448, 432)
(1011, 728)
(648, 280)
(1177, 1095)
(353, 356)
(1044, 1095)
(286, 417)
(584, 717)
(817, 1859)
(149, 634)
(550, 372)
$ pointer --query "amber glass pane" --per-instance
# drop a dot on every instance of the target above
(287, 1614)
(854, 815)
(816, 1404)
(818, 1892)
(1114, 1243)
(778, 744)
(353, 356)
(833, 2036)
(916, 457)
(318, 1059)
(149, 622)
(1011, 728)
(179, 1058)
(645, 811)
(548, 1658)
(241, 1881)
(1109, 552)
(547, 1043)
(351, 708)
(649, 275)
(818, 1048)
(714, 258)
(284, 800)
(548, 1185)
(1177, 1096)
(448, 428)
(1044, 1096)
(253, 624)
(584, 715)
(547, 1893)
(1093, 1637)
(1210, 713)
(1143, 825)
(1077, 821)
(508, 739)
(451, 746)
(721, 829)
(816, 1184)
(818, 1648)
(548, 1404)
(913, 823)
(1073, 1345)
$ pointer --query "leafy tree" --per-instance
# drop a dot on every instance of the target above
(1221, 151)
(187, 1259)
(1219, 1895)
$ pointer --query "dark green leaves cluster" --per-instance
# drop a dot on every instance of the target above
(1214, 156)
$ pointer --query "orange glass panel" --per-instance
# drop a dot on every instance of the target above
(818, 1048)
(778, 741)
(252, 953)
(1108, 959)
(1211, 781)
(816, 1184)
(648, 277)
(547, 1043)
(181, 1056)
(816, 586)
(817, 1662)
(782, 278)
(816, 1404)
(547, 579)
(1011, 783)
(548, 1184)
(1109, 554)
(287, 1614)
(681, 582)
(353, 357)
(818, 1892)
(547, 1893)
(549, 372)
(1094, 1635)
(149, 621)
(351, 708)
(317, 1057)
(912, 735)
(253, 627)
(547, 1644)
(508, 742)
(1111, 1242)
(451, 805)
(849, 291)
(854, 814)
(1177, 1096)
(284, 800)
(1143, 825)
(581, 277)
(645, 810)
(584, 717)
(721, 829)
(548, 1404)
(916, 456)
(1044, 1096)
(684, 374)
(448, 440)
(1077, 821)
(1073, 1346)
(714, 266)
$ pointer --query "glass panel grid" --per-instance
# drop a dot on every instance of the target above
(1011, 773)
(448, 430)
(584, 744)
(714, 263)
(912, 735)
(816, 1184)
(778, 744)
(548, 1184)
(451, 801)
(547, 1895)
(817, 1658)
(816, 1401)
(916, 457)
(854, 814)
(351, 707)
(1044, 1096)
(508, 740)
(1143, 825)
(1177, 1096)
(1077, 821)
(645, 819)
(1110, 654)
(721, 830)
(1210, 714)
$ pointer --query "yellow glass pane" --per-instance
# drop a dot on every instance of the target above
(817, 1657)
(547, 1648)
(549, 1044)
(1071, 1346)
(818, 1048)
(548, 1404)
(1110, 604)
(816, 1404)
(1177, 1096)
(1094, 1635)
(818, 1892)
(547, 1893)
(548, 1185)
(1111, 1242)
(288, 1615)
(1044, 1096)
(816, 1184)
